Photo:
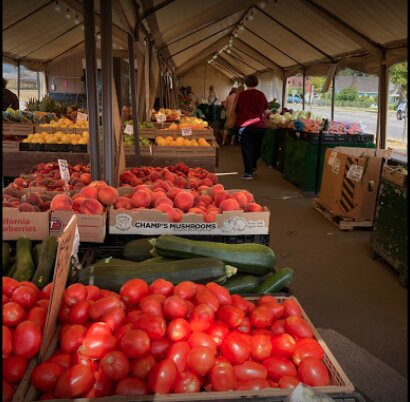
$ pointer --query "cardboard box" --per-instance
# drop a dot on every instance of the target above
(92, 228)
(350, 181)
(33, 225)
(394, 175)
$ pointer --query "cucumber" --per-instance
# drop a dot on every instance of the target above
(11, 270)
(112, 275)
(255, 259)
(242, 284)
(275, 282)
(36, 253)
(138, 250)
(24, 262)
(6, 256)
(46, 260)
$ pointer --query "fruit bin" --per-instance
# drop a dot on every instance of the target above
(208, 133)
(10, 146)
(17, 128)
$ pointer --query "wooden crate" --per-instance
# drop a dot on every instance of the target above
(18, 129)
(144, 150)
(394, 175)
(10, 146)
(208, 133)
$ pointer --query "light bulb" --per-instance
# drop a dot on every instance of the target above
(229, 51)
(82, 27)
(241, 27)
(114, 45)
(235, 34)
(68, 16)
(262, 4)
(76, 21)
(250, 18)
(57, 6)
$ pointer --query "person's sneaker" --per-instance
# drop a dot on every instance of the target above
(247, 176)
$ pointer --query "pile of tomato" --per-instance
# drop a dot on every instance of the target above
(176, 339)
(24, 316)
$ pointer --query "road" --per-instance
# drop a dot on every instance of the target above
(395, 128)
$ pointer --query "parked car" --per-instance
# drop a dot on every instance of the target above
(401, 112)
(294, 99)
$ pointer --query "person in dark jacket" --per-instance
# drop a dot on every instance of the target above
(9, 98)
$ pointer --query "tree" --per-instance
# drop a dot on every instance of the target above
(398, 76)
(348, 94)
(318, 83)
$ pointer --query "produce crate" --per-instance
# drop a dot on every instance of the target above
(360, 139)
(79, 130)
(18, 128)
(10, 146)
(394, 175)
(175, 152)
(208, 133)
(144, 150)
(314, 138)
(81, 148)
(279, 147)
(48, 129)
(268, 145)
(26, 146)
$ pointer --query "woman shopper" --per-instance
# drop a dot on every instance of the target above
(230, 105)
(251, 109)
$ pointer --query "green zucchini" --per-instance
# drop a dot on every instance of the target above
(46, 260)
(12, 270)
(6, 256)
(36, 253)
(255, 259)
(112, 275)
(275, 282)
(138, 250)
(24, 261)
(242, 284)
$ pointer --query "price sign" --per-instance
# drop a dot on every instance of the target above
(64, 172)
(76, 244)
(186, 132)
(355, 172)
(129, 129)
(82, 116)
(161, 118)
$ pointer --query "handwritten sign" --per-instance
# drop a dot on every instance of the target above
(355, 172)
(129, 129)
(186, 131)
(160, 118)
(82, 116)
(64, 172)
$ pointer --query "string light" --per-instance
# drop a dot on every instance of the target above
(82, 27)
(68, 15)
(57, 6)
(262, 4)
(241, 27)
(77, 20)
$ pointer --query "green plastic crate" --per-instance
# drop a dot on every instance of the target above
(268, 147)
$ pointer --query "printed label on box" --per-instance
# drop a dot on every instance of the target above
(355, 173)
(332, 158)
(187, 131)
(129, 129)
(64, 172)
(336, 166)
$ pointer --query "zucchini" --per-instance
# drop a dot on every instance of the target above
(11, 270)
(24, 262)
(275, 282)
(112, 275)
(138, 250)
(250, 258)
(6, 256)
(242, 284)
(36, 253)
(46, 260)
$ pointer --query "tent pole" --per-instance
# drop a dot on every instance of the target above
(91, 81)
(106, 67)
(284, 84)
(303, 89)
(332, 106)
(134, 105)
(382, 103)
(18, 80)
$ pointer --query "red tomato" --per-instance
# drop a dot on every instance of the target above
(221, 293)
(26, 296)
(97, 345)
(80, 357)
(123, 329)
(278, 327)
(93, 293)
(13, 314)
(178, 353)
(161, 287)
(246, 326)
(276, 308)
(200, 360)
(9, 284)
(135, 343)
(278, 367)
(313, 372)
(223, 377)
(201, 318)
(32, 286)
(186, 290)
(252, 385)
(291, 307)
(202, 339)
(14, 368)
(103, 305)
(114, 318)
(186, 383)
(46, 291)
(62, 359)
(75, 381)
(37, 315)
(45, 376)
(231, 315)
(151, 304)
(79, 313)
(64, 313)
(103, 386)
(261, 316)
(218, 330)
(140, 367)
(154, 326)
(7, 343)
(99, 328)
(5, 299)
(205, 296)
(115, 365)
(249, 370)
(298, 327)
(283, 345)
(133, 315)
(178, 329)
(190, 307)
(162, 377)
(266, 299)
(27, 339)
(108, 293)
(235, 347)
(250, 306)
(72, 338)
(131, 387)
(175, 307)
(288, 381)
(43, 303)
(74, 294)
(261, 346)
(159, 348)
(240, 302)
(307, 350)
(133, 291)
(7, 391)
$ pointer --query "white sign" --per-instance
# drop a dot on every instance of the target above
(332, 158)
(82, 116)
(336, 165)
(64, 172)
(161, 118)
(186, 131)
(129, 129)
(76, 244)
(355, 173)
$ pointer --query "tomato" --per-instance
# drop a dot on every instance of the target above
(103, 386)
(266, 299)
(27, 339)
(240, 302)
(93, 293)
(201, 318)
(200, 360)
(278, 367)
(313, 372)
(218, 330)
(246, 326)
(298, 327)
(43, 303)
(97, 345)
(190, 308)
(235, 348)
(5, 299)
(8, 285)
(291, 307)
(161, 287)
(231, 315)
(261, 346)
(186, 383)
(276, 308)
(175, 307)
(151, 304)
(79, 313)
(123, 329)
(75, 381)
(14, 368)
(178, 353)
(7, 391)
(62, 359)
(108, 293)
(114, 318)
(205, 296)
(178, 329)
(307, 350)
(154, 326)
(7, 344)
(133, 291)
(250, 306)
(115, 365)
(32, 286)
(26, 296)
(162, 377)
(13, 314)
(261, 316)
(133, 315)
(252, 385)
(103, 305)
(159, 348)
(288, 381)
(38, 315)
(221, 293)
(74, 294)
(46, 291)
(140, 367)
(131, 387)
(202, 339)
(72, 338)
(278, 327)
(223, 377)
(135, 343)
(249, 370)
(283, 345)
(99, 328)
(80, 357)
(185, 289)
(45, 376)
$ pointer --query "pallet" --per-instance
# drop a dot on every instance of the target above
(344, 224)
